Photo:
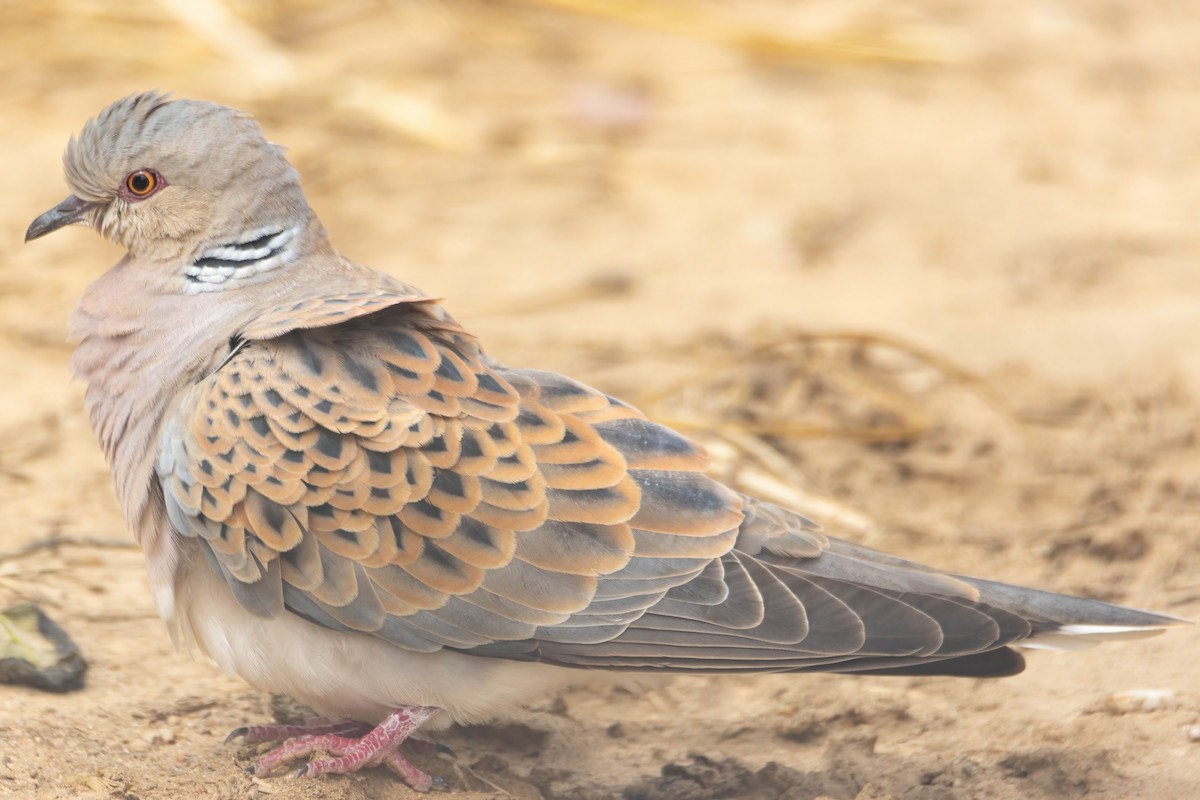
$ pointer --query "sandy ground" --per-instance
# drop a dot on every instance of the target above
(639, 207)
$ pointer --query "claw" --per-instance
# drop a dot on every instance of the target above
(235, 733)
(378, 746)
(428, 748)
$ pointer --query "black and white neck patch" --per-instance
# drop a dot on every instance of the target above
(256, 251)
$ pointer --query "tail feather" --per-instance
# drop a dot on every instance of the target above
(1065, 623)
(1000, 663)
(1089, 616)
(1071, 638)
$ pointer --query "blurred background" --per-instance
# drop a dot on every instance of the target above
(924, 270)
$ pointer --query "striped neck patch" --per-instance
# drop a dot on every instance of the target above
(256, 251)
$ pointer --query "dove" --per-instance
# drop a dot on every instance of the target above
(343, 498)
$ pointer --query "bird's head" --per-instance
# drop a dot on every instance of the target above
(192, 185)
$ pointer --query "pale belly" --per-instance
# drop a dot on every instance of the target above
(346, 675)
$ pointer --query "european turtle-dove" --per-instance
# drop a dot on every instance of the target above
(341, 497)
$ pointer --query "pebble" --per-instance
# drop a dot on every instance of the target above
(162, 735)
(1141, 701)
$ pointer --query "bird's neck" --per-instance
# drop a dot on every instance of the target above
(143, 340)
(138, 349)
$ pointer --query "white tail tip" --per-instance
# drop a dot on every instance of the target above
(1069, 638)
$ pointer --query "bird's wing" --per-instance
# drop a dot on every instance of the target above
(378, 475)
(785, 599)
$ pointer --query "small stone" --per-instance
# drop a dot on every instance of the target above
(1193, 732)
(1140, 701)
(158, 736)
(36, 652)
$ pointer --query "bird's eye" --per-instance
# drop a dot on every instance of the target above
(142, 183)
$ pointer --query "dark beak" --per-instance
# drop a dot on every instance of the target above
(69, 212)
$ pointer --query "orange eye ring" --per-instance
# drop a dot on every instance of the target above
(142, 183)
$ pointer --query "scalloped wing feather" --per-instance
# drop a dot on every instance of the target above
(380, 475)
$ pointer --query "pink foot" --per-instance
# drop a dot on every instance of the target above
(347, 754)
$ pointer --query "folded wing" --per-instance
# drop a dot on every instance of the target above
(377, 474)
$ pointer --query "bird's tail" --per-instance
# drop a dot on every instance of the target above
(1066, 623)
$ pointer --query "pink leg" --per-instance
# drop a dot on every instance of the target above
(379, 746)
(383, 741)
(314, 726)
